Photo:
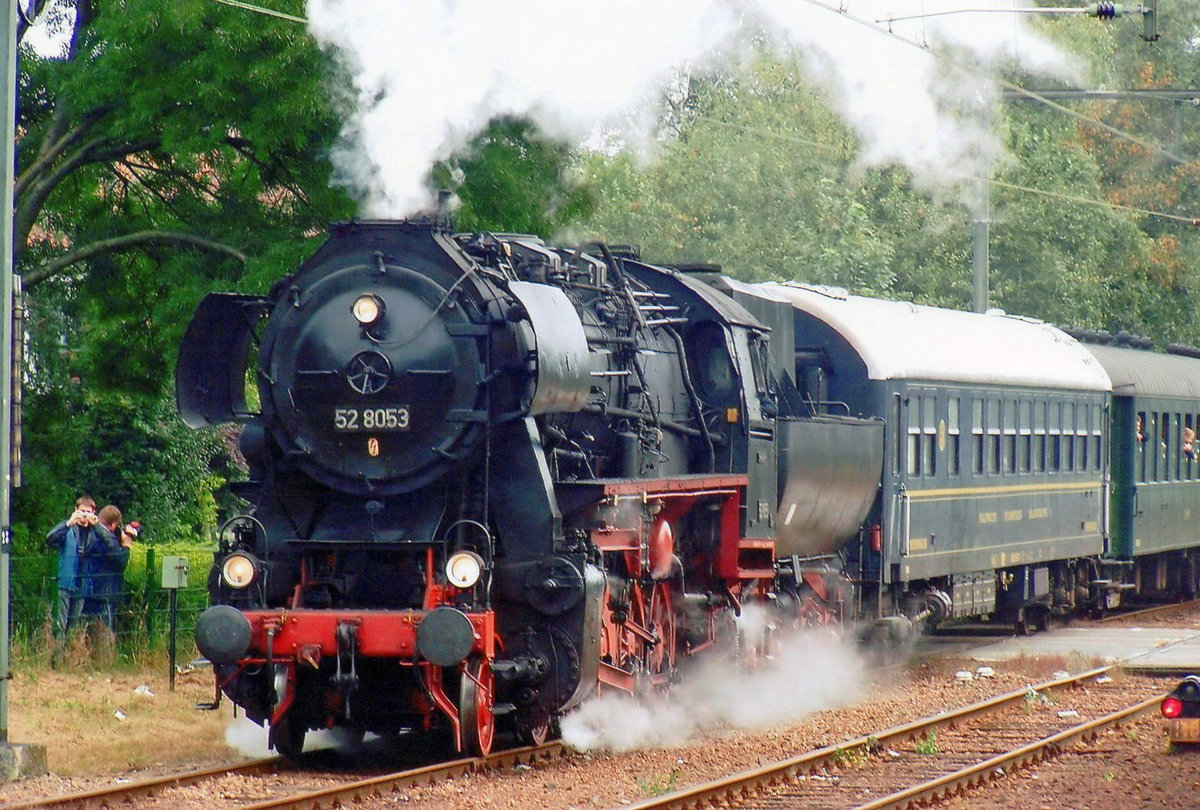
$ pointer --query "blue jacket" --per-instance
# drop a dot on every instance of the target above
(72, 543)
(104, 561)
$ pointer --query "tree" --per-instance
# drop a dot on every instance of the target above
(168, 151)
(755, 173)
(182, 142)
(512, 178)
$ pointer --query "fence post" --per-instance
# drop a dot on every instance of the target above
(151, 591)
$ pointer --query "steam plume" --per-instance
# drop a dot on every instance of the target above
(429, 75)
(815, 671)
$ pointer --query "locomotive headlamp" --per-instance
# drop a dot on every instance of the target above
(464, 568)
(238, 570)
(368, 309)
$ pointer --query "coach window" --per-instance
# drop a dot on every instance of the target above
(1171, 439)
(1053, 439)
(1083, 454)
(1189, 445)
(1154, 448)
(929, 436)
(1081, 436)
(1152, 453)
(1039, 437)
(1140, 447)
(1008, 462)
(1068, 437)
(897, 432)
(1175, 445)
(977, 434)
(1164, 448)
(1024, 435)
(913, 449)
(993, 438)
(1143, 427)
(952, 436)
(1083, 412)
(1097, 434)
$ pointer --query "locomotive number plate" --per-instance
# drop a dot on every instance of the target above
(374, 419)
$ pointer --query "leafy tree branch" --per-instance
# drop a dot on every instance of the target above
(127, 242)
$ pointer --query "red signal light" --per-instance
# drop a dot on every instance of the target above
(1171, 707)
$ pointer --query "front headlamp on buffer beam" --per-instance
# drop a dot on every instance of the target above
(368, 309)
(238, 570)
(464, 568)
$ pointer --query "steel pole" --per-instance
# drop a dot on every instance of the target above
(9, 93)
(16, 760)
(979, 258)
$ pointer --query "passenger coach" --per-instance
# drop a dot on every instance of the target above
(1155, 519)
(992, 496)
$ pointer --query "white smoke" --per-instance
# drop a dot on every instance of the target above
(251, 739)
(429, 75)
(815, 671)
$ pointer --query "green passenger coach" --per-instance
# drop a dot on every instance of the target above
(1155, 489)
(993, 492)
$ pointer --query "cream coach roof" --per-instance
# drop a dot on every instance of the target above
(899, 340)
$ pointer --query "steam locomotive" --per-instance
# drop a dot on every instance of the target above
(490, 477)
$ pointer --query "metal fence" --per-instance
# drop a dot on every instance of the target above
(142, 608)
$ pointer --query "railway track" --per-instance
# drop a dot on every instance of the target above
(382, 786)
(102, 797)
(329, 796)
(1150, 611)
(937, 756)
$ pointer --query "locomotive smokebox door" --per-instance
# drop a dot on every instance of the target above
(174, 573)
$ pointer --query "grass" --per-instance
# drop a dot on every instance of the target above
(659, 786)
(927, 745)
(73, 711)
(854, 757)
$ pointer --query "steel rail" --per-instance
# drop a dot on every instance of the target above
(380, 786)
(746, 782)
(101, 797)
(1112, 617)
(992, 770)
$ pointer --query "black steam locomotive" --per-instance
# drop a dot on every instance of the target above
(490, 477)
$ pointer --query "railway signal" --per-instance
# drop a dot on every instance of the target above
(1182, 708)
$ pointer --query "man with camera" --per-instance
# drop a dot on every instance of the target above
(71, 539)
(105, 558)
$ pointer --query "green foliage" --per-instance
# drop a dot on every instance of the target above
(927, 745)
(754, 171)
(756, 179)
(134, 452)
(657, 786)
(162, 156)
(854, 757)
(513, 179)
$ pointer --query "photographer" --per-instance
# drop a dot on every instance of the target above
(105, 558)
(71, 538)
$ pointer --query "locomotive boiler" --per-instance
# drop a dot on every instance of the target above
(489, 477)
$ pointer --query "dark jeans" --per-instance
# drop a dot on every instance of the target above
(67, 613)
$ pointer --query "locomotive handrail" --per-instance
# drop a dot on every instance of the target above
(828, 403)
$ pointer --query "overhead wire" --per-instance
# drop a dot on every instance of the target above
(1007, 85)
(1193, 221)
(262, 10)
(1155, 148)
(841, 149)
(842, 10)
